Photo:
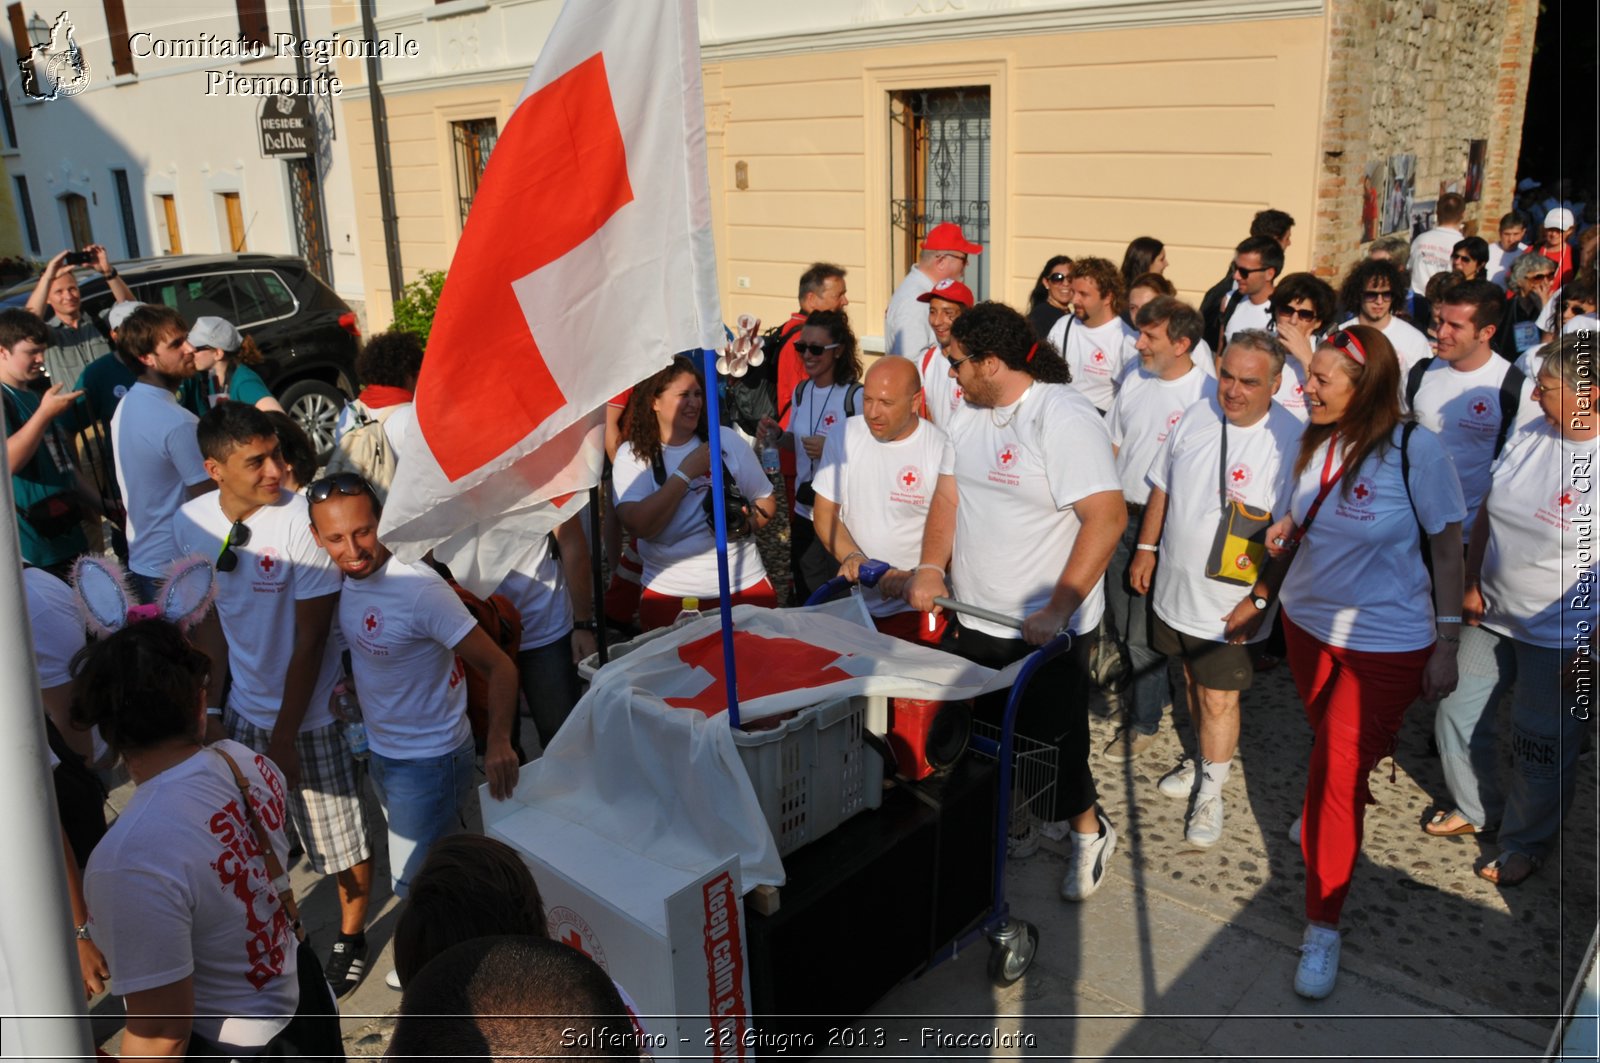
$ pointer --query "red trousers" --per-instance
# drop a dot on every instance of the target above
(1355, 700)
(659, 610)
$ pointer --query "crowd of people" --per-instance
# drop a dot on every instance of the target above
(1384, 482)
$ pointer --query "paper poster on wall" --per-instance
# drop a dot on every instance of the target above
(1371, 197)
(1423, 212)
(1477, 152)
(1400, 186)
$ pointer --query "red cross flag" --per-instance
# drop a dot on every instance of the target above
(585, 264)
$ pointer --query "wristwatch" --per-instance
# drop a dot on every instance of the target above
(1259, 600)
(82, 932)
(586, 625)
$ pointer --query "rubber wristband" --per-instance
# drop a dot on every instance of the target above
(934, 568)
(1447, 620)
(1153, 548)
(680, 474)
(213, 710)
(112, 275)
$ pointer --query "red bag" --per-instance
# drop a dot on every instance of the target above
(503, 622)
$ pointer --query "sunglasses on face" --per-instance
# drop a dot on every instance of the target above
(813, 350)
(345, 483)
(1461, 258)
(1308, 316)
(957, 363)
(1057, 278)
(238, 536)
(1243, 272)
(1377, 296)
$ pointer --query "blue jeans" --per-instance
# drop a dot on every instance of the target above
(1129, 614)
(423, 800)
(1546, 737)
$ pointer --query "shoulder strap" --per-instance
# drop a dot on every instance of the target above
(850, 394)
(799, 393)
(658, 468)
(1405, 473)
(1414, 385)
(1510, 400)
(1222, 466)
(275, 872)
(1071, 319)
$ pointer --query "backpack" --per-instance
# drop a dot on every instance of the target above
(749, 398)
(1510, 397)
(503, 623)
(364, 448)
(849, 396)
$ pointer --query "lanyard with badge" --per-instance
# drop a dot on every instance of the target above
(1330, 480)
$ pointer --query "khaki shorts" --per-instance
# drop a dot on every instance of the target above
(1214, 665)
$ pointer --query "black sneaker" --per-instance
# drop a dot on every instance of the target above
(347, 965)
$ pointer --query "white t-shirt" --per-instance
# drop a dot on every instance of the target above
(1410, 344)
(402, 624)
(1206, 359)
(158, 459)
(1580, 322)
(1463, 409)
(537, 586)
(1145, 411)
(1500, 260)
(58, 630)
(681, 562)
(1247, 315)
(177, 888)
(1538, 575)
(1430, 254)
(817, 412)
(1291, 393)
(941, 395)
(281, 565)
(1187, 468)
(1019, 469)
(1099, 357)
(883, 491)
(905, 323)
(1357, 581)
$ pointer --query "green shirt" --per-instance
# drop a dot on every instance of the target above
(48, 473)
(200, 392)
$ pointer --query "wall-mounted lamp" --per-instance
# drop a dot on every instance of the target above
(741, 175)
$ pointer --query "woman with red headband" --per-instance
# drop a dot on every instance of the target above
(1366, 633)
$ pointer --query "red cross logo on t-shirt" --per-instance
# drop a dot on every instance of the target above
(910, 478)
(1565, 500)
(372, 621)
(827, 422)
(1361, 493)
(1008, 456)
(1480, 408)
(1173, 418)
(267, 562)
(1298, 390)
(955, 397)
(1099, 356)
(1239, 475)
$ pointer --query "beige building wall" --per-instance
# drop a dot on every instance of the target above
(1098, 137)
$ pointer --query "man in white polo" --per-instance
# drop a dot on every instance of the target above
(874, 486)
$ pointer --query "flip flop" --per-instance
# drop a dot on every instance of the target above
(1509, 869)
(1436, 828)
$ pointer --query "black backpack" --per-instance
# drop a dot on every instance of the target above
(1510, 397)
(849, 396)
(749, 398)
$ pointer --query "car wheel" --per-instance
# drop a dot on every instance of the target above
(315, 407)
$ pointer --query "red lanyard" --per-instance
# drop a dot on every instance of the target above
(1330, 479)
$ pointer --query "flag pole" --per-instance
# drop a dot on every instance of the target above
(45, 1016)
(719, 517)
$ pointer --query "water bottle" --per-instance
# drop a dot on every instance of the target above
(347, 709)
(690, 612)
(769, 453)
(355, 736)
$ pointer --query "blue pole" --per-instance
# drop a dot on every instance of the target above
(719, 519)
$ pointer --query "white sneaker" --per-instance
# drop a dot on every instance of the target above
(392, 979)
(1205, 821)
(1179, 782)
(1056, 829)
(1319, 963)
(1294, 831)
(1086, 867)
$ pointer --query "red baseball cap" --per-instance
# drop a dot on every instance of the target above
(946, 236)
(950, 289)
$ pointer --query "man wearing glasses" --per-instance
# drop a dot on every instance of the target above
(153, 442)
(944, 257)
(276, 596)
(1369, 292)
(1257, 264)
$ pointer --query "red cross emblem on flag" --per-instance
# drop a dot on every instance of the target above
(1008, 456)
(910, 478)
(828, 421)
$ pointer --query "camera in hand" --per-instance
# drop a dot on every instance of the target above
(805, 494)
(79, 258)
(734, 504)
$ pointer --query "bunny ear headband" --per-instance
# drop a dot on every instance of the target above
(102, 587)
(743, 352)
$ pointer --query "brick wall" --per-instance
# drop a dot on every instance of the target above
(1420, 77)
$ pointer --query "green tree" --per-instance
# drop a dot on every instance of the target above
(418, 301)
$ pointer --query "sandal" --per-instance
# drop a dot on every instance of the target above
(1509, 869)
(1451, 824)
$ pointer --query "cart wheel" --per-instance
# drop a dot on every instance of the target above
(1011, 954)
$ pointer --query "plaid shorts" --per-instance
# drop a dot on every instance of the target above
(326, 807)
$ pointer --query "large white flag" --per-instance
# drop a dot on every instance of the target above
(585, 264)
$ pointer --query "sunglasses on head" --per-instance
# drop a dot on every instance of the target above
(813, 349)
(238, 536)
(345, 483)
(1308, 316)
(1348, 343)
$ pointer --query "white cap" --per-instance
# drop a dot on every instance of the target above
(214, 332)
(1560, 218)
(119, 312)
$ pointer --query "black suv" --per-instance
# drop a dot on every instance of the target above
(307, 335)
